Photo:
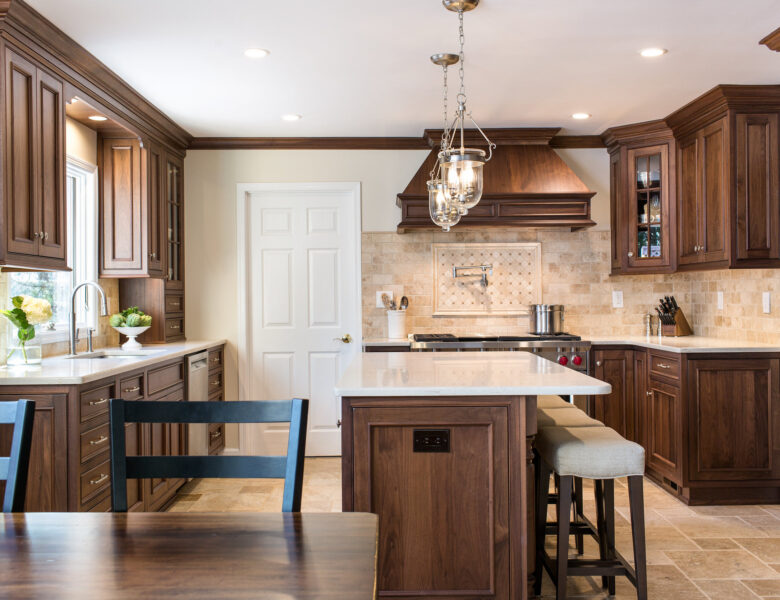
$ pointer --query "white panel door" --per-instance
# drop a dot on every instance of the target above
(299, 280)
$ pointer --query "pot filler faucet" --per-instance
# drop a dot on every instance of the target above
(74, 334)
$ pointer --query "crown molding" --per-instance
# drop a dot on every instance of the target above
(772, 41)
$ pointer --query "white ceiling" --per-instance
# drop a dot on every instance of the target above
(359, 68)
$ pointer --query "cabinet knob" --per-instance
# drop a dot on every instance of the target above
(598, 363)
(35, 235)
(649, 393)
(45, 235)
(630, 254)
(153, 255)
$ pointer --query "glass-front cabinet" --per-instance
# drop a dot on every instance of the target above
(647, 215)
(175, 217)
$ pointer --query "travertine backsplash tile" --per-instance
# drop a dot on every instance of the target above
(575, 272)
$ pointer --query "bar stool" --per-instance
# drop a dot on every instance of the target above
(601, 454)
(566, 417)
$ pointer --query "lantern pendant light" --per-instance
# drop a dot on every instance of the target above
(460, 167)
(443, 210)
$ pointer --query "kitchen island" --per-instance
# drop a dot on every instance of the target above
(438, 445)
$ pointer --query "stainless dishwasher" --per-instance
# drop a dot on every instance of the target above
(198, 391)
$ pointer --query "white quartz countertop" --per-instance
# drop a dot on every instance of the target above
(58, 370)
(389, 374)
(688, 344)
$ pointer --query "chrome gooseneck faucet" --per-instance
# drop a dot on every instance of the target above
(74, 336)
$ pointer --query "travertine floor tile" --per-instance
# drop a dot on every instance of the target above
(716, 544)
(720, 564)
(713, 527)
(767, 549)
(764, 587)
(726, 590)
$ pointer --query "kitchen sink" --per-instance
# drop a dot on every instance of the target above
(115, 353)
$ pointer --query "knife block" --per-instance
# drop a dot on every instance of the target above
(680, 328)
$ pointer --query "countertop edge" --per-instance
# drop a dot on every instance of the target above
(460, 391)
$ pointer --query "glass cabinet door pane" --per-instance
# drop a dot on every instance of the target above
(641, 172)
(654, 207)
(655, 241)
(655, 170)
(642, 207)
(642, 244)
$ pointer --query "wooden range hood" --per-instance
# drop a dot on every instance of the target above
(526, 184)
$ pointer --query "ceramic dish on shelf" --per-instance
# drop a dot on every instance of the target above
(131, 333)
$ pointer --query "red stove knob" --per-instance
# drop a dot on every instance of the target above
(563, 360)
(577, 360)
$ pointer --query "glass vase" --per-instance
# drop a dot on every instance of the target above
(23, 354)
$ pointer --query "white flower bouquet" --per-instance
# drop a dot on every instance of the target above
(27, 312)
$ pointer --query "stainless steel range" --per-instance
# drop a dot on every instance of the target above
(565, 349)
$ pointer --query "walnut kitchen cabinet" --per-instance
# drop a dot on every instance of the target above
(33, 165)
(216, 394)
(642, 178)
(709, 423)
(615, 410)
(728, 168)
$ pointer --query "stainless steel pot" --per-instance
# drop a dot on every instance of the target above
(546, 319)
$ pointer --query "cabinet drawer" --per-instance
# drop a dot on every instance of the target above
(102, 505)
(95, 402)
(94, 442)
(174, 328)
(216, 358)
(174, 303)
(132, 388)
(664, 366)
(95, 480)
(165, 377)
(215, 382)
(217, 396)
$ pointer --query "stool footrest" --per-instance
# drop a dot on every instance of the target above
(592, 567)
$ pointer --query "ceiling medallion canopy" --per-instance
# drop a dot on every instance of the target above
(456, 182)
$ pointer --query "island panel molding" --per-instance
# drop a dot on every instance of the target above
(513, 282)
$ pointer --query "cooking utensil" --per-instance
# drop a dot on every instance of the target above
(546, 319)
(404, 303)
(386, 301)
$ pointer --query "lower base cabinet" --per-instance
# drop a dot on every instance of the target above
(709, 423)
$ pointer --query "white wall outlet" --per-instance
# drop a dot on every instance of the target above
(720, 300)
(617, 299)
(766, 302)
(379, 303)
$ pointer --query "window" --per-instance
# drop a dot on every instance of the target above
(56, 286)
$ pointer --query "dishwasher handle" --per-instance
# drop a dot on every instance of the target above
(196, 362)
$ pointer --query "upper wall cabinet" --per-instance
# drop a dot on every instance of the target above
(34, 202)
(132, 208)
(641, 179)
(728, 167)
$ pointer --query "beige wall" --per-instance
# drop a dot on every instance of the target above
(80, 141)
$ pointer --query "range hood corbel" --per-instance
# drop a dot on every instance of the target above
(526, 185)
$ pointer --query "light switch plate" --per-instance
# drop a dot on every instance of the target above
(766, 301)
(379, 303)
(720, 300)
(617, 299)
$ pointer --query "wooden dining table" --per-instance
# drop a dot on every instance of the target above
(188, 555)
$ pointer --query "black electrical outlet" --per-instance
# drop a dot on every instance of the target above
(431, 440)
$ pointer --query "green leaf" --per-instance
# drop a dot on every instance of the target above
(26, 334)
(17, 317)
(17, 301)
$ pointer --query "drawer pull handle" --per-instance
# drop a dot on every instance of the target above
(97, 402)
(215, 383)
(101, 440)
(649, 393)
(216, 435)
(99, 480)
(215, 360)
(132, 389)
(664, 366)
(174, 326)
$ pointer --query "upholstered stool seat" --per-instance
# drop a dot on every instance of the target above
(548, 401)
(590, 452)
(601, 454)
(564, 417)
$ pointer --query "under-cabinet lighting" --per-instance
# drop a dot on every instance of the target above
(580, 116)
(97, 118)
(652, 52)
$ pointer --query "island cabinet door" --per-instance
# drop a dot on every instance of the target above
(733, 417)
(438, 477)
(661, 428)
(616, 410)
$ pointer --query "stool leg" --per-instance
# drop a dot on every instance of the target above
(636, 502)
(601, 526)
(609, 519)
(542, 495)
(578, 512)
(564, 509)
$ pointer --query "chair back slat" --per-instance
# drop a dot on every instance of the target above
(208, 412)
(13, 469)
(268, 467)
(289, 467)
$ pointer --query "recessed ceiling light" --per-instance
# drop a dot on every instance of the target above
(256, 52)
(97, 118)
(580, 116)
(653, 52)
(292, 117)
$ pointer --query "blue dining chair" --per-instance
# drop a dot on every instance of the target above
(289, 467)
(13, 468)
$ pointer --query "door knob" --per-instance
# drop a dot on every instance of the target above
(346, 338)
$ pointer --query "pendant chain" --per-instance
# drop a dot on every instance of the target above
(444, 134)
(462, 40)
